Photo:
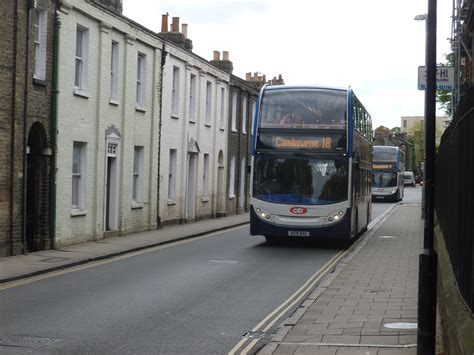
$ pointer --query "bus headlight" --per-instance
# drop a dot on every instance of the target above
(336, 216)
(263, 214)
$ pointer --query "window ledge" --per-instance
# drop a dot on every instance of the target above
(114, 102)
(193, 121)
(80, 93)
(222, 129)
(175, 116)
(231, 197)
(40, 82)
(234, 130)
(140, 108)
(171, 202)
(137, 205)
(77, 213)
(208, 125)
(205, 199)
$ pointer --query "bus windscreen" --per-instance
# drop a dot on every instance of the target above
(304, 108)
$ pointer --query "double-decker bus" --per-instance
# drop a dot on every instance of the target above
(388, 169)
(311, 164)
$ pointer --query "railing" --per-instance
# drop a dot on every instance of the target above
(454, 195)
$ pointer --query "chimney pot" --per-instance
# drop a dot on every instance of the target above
(164, 23)
(248, 76)
(184, 30)
(175, 24)
(217, 55)
(225, 55)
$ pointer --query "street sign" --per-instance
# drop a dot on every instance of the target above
(444, 78)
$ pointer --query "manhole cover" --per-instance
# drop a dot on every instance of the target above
(26, 341)
(401, 325)
(387, 237)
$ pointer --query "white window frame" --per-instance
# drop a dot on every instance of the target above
(242, 183)
(137, 188)
(192, 97)
(223, 111)
(208, 103)
(114, 71)
(40, 36)
(175, 92)
(141, 81)
(234, 112)
(232, 178)
(79, 174)
(173, 157)
(205, 177)
(81, 61)
(254, 109)
(244, 114)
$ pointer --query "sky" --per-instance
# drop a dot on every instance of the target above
(373, 46)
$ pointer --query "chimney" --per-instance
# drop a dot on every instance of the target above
(225, 64)
(164, 23)
(112, 5)
(175, 24)
(184, 30)
(248, 76)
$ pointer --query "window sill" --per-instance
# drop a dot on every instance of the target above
(234, 130)
(231, 197)
(192, 121)
(77, 213)
(140, 108)
(222, 129)
(175, 116)
(208, 125)
(205, 199)
(137, 205)
(114, 102)
(80, 93)
(171, 202)
(40, 82)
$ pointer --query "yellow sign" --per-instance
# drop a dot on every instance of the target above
(382, 166)
(303, 142)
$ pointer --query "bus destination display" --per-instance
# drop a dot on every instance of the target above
(292, 141)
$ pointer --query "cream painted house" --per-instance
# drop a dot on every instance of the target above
(108, 124)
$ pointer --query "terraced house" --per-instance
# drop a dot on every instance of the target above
(26, 125)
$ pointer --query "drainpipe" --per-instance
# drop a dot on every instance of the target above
(164, 53)
(29, 7)
(12, 127)
(54, 125)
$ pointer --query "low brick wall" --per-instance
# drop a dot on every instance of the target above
(455, 318)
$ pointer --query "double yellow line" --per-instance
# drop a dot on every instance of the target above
(269, 321)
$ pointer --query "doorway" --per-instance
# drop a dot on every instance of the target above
(111, 181)
(191, 190)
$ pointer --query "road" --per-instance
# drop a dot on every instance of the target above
(198, 297)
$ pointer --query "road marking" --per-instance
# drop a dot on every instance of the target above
(281, 310)
(93, 264)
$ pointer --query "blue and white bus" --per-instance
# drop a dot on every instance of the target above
(388, 173)
(311, 164)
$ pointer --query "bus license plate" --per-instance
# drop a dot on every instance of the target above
(298, 234)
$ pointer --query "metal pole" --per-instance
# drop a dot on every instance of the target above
(428, 257)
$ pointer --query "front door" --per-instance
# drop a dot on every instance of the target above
(191, 190)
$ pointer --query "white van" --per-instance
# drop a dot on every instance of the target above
(409, 179)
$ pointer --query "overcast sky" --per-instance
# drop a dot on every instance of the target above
(374, 46)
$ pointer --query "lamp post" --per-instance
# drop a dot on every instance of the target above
(426, 336)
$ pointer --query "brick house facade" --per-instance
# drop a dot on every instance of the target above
(26, 147)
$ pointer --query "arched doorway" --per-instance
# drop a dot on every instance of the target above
(37, 190)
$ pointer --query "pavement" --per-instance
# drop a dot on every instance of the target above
(366, 305)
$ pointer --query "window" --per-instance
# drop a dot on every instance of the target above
(244, 115)
(232, 178)
(254, 108)
(137, 191)
(192, 98)
(234, 112)
(114, 71)
(242, 183)
(175, 93)
(208, 103)
(205, 177)
(78, 176)
(141, 80)
(40, 37)
(172, 175)
(82, 49)
(222, 118)
(404, 123)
